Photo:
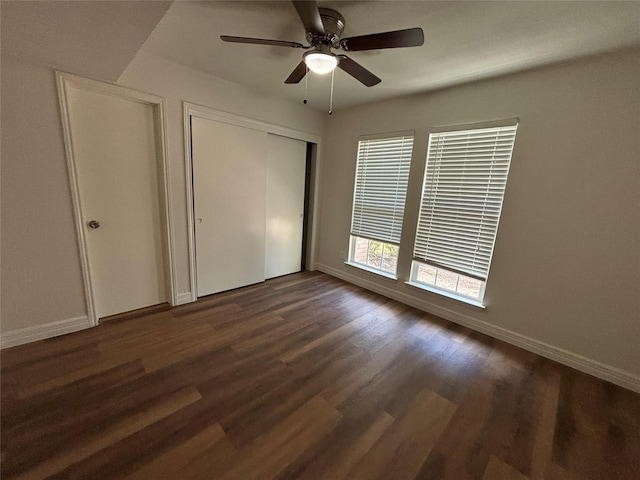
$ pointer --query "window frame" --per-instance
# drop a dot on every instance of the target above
(432, 173)
(440, 290)
(370, 268)
(366, 161)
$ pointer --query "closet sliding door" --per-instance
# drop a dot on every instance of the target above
(229, 187)
(286, 166)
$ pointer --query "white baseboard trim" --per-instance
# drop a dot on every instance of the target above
(40, 332)
(592, 367)
(183, 298)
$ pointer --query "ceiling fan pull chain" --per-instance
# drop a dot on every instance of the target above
(331, 97)
(306, 77)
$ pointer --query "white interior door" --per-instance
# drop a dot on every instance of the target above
(286, 163)
(114, 149)
(229, 183)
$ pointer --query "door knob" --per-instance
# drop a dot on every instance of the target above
(93, 224)
(198, 220)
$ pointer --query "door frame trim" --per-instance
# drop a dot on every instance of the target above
(64, 82)
(194, 110)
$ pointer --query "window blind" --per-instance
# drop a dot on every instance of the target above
(382, 173)
(462, 195)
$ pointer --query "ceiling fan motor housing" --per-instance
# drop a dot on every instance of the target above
(333, 23)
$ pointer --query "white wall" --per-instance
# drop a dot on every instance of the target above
(41, 273)
(565, 276)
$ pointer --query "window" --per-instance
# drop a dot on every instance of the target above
(382, 173)
(462, 195)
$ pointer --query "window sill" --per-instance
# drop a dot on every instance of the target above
(372, 270)
(444, 293)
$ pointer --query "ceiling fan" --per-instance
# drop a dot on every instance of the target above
(324, 27)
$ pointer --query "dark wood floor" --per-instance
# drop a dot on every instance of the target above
(306, 377)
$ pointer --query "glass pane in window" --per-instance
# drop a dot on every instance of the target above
(426, 274)
(375, 254)
(360, 250)
(469, 286)
(447, 279)
(390, 258)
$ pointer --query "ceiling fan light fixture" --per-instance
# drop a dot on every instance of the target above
(321, 62)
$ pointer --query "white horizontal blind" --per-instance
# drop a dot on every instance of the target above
(464, 185)
(382, 173)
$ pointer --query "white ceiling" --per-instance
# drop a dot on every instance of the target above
(464, 41)
(94, 38)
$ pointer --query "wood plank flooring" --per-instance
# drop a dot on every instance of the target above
(305, 377)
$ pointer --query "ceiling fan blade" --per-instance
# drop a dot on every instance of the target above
(412, 37)
(310, 16)
(261, 41)
(357, 71)
(298, 73)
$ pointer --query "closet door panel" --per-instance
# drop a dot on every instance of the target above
(229, 188)
(286, 162)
